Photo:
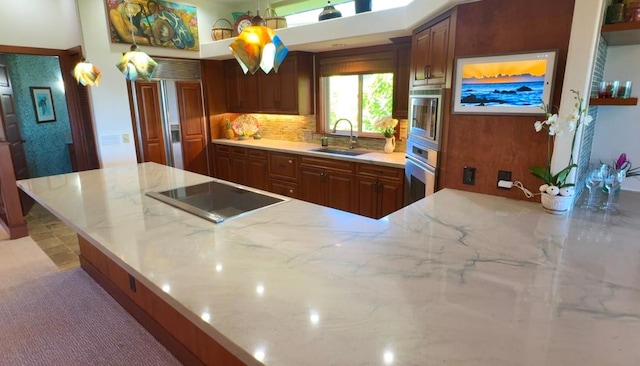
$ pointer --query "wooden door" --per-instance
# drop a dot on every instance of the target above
(437, 67)
(312, 185)
(340, 191)
(390, 197)
(257, 174)
(269, 86)
(420, 54)
(192, 126)
(367, 196)
(287, 97)
(148, 100)
(85, 151)
(10, 132)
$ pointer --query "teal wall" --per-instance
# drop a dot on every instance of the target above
(45, 146)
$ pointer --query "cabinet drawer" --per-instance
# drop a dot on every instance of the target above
(284, 188)
(258, 154)
(332, 164)
(223, 149)
(235, 150)
(283, 166)
(379, 171)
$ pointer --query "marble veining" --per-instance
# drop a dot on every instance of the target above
(457, 278)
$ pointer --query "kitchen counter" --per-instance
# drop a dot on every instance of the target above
(457, 278)
(377, 157)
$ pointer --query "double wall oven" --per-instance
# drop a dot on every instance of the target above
(421, 164)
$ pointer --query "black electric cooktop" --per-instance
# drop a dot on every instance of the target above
(215, 201)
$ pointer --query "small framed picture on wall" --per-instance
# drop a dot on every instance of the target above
(43, 104)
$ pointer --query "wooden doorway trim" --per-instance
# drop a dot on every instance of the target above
(78, 103)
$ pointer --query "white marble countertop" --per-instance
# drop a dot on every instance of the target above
(457, 278)
(378, 157)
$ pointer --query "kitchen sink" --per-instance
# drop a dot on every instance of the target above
(338, 151)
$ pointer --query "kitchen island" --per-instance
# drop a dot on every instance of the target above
(457, 278)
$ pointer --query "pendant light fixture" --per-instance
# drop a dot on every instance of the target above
(136, 64)
(86, 73)
(258, 47)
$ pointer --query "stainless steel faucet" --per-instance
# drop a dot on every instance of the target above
(352, 142)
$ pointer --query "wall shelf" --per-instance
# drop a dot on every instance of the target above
(620, 34)
(613, 101)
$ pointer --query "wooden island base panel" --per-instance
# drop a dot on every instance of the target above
(188, 343)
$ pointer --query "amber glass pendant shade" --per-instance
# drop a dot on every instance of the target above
(86, 73)
(137, 65)
(258, 47)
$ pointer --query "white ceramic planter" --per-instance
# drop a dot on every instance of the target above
(556, 205)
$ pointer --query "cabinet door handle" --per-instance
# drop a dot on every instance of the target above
(291, 191)
(290, 161)
(427, 72)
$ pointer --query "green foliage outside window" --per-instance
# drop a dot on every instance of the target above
(362, 99)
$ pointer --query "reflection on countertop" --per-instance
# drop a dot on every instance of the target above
(455, 278)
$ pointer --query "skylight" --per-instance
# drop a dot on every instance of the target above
(347, 9)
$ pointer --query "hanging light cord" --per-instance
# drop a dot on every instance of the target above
(133, 37)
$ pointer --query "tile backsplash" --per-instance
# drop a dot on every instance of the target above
(292, 128)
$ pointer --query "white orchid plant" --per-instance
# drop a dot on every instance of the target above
(555, 184)
(386, 125)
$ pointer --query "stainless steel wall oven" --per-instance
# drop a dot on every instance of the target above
(421, 164)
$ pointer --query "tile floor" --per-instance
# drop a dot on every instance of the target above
(54, 237)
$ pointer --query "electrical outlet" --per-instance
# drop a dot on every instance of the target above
(503, 175)
(469, 175)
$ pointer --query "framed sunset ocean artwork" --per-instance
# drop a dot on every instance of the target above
(506, 84)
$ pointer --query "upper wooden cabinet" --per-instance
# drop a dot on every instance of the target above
(429, 54)
(289, 91)
(402, 59)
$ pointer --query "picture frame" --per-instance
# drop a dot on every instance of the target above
(155, 23)
(516, 83)
(43, 106)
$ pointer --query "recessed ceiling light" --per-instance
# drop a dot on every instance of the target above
(339, 45)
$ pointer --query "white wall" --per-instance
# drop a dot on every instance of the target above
(39, 23)
(618, 128)
(110, 100)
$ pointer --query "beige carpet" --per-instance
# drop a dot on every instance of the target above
(52, 317)
(21, 261)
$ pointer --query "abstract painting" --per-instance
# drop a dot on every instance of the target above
(507, 84)
(156, 23)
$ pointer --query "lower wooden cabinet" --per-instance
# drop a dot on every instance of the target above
(242, 165)
(365, 189)
(328, 182)
(284, 188)
(380, 190)
(283, 174)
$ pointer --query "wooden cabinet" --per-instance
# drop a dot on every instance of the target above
(241, 165)
(401, 77)
(429, 54)
(380, 190)
(365, 189)
(289, 91)
(242, 90)
(283, 174)
(328, 182)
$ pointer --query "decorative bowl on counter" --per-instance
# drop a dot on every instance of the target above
(245, 126)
